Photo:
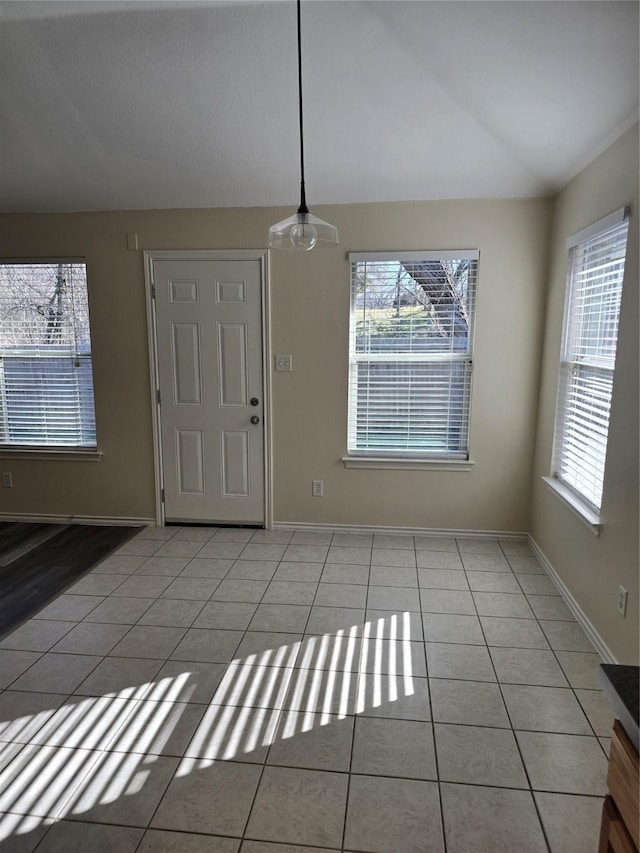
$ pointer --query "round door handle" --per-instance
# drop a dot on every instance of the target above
(254, 401)
(255, 419)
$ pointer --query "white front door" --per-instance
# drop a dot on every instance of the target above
(209, 355)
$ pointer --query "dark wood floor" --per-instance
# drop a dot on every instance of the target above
(38, 562)
(18, 539)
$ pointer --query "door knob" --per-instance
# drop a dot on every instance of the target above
(254, 401)
(255, 419)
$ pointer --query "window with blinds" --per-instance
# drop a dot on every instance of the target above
(594, 291)
(46, 380)
(410, 353)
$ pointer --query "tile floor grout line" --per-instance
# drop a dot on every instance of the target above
(276, 725)
(86, 769)
(435, 749)
(522, 761)
(349, 773)
(576, 697)
(513, 734)
(369, 775)
(165, 788)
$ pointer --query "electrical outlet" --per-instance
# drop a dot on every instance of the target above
(7, 480)
(317, 488)
(622, 600)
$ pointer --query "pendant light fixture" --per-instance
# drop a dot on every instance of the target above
(302, 231)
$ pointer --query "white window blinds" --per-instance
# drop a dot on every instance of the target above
(410, 359)
(46, 381)
(594, 291)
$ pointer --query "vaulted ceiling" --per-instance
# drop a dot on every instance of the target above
(194, 104)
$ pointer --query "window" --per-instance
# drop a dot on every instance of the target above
(46, 382)
(410, 354)
(594, 290)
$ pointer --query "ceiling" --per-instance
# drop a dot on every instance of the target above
(194, 104)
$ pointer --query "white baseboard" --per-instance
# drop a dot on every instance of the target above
(587, 626)
(78, 519)
(407, 531)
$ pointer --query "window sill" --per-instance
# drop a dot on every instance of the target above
(586, 515)
(407, 464)
(52, 455)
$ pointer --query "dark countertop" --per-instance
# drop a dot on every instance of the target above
(621, 685)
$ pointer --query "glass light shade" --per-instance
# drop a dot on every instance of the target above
(302, 232)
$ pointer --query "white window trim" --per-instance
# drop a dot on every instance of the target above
(570, 499)
(52, 454)
(408, 461)
(406, 464)
(70, 453)
(591, 518)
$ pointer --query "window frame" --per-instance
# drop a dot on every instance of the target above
(71, 452)
(403, 458)
(570, 368)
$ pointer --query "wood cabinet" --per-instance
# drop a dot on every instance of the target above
(620, 819)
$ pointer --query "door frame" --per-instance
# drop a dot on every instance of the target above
(262, 256)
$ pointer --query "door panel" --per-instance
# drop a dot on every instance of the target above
(209, 341)
(235, 471)
(232, 364)
(185, 340)
(190, 461)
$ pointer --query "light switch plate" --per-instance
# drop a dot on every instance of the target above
(284, 363)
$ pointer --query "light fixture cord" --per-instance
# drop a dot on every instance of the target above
(303, 200)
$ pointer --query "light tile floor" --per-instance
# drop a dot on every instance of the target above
(279, 692)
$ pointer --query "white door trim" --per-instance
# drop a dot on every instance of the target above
(262, 256)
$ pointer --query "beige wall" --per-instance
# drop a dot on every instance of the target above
(311, 414)
(310, 305)
(593, 568)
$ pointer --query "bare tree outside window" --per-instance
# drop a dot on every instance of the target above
(46, 383)
(43, 305)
